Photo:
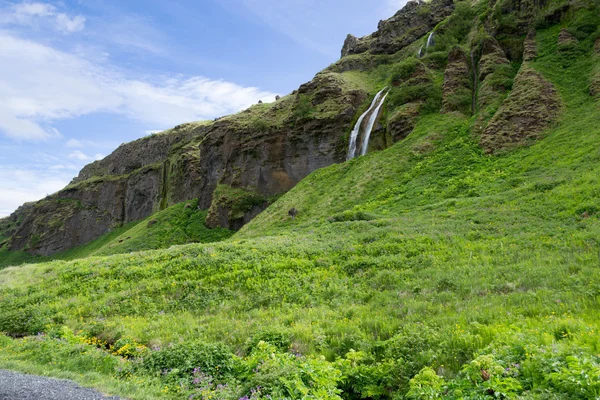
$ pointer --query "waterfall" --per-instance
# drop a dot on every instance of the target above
(356, 130)
(430, 41)
(370, 125)
(420, 52)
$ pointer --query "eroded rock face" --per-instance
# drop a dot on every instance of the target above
(530, 46)
(457, 83)
(402, 123)
(495, 78)
(412, 22)
(529, 109)
(492, 56)
(566, 40)
(266, 149)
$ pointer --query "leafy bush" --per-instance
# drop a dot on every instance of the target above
(304, 109)
(182, 359)
(280, 341)
(267, 374)
(405, 70)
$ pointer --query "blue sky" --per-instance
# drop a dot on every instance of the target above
(80, 77)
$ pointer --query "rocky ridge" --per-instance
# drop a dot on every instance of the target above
(237, 165)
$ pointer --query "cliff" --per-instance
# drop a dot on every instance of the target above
(237, 165)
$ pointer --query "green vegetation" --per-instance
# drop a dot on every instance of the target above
(429, 270)
(180, 224)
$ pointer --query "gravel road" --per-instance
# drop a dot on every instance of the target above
(15, 386)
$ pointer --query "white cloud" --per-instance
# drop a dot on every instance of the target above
(40, 85)
(18, 186)
(78, 155)
(34, 14)
(67, 24)
(393, 6)
(74, 143)
(81, 156)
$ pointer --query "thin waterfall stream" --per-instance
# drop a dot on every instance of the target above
(371, 124)
(356, 131)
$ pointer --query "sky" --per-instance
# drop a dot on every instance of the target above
(80, 77)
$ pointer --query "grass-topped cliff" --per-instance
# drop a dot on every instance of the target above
(459, 263)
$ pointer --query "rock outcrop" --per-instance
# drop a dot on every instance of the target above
(530, 108)
(402, 123)
(457, 90)
(409, 24)
(530, 46)
(566, 40)
(495, 79)
(265, 150)
(595, 84)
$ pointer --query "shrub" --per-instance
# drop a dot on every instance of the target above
(268, 373)
(212, 359)
(280, 341)
(426, 385)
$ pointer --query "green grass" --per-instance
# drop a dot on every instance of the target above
(428, 270)
(179, 224)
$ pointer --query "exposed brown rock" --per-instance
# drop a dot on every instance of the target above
(529, 109)
(595, 86)
(494, 80)
(492, 56)
(457, 83)
(415, 20)
(530, 46)
(566, 40)
(265, 149)
(402, 123)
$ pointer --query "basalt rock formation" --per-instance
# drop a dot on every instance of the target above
(266, 149)
(409, 24)
(595, 84)
(235, 166)
(495, 77)
(528, 110)
(457, 83)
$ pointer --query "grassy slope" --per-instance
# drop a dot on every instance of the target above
(179, 224)
(439, 253)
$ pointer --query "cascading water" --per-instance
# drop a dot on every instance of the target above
(371, 123)
(430, 41)
(356, 130)
(420, 52)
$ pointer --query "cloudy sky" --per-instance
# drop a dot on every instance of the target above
(80, 77)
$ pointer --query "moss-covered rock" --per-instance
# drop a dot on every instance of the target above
(267, 148)
(529, 109)
(457, 90)
(495, 79)
(492, 56)
(403, 121)
(409, 24)
(566, 41)
(234, 207)
(530, 46)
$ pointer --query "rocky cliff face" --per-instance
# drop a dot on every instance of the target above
(409, 24)
(235, 166)
(266, 149)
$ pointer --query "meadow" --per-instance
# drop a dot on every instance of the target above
(428, 270)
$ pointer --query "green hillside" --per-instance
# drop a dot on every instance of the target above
(179, 224)
(429, 270)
